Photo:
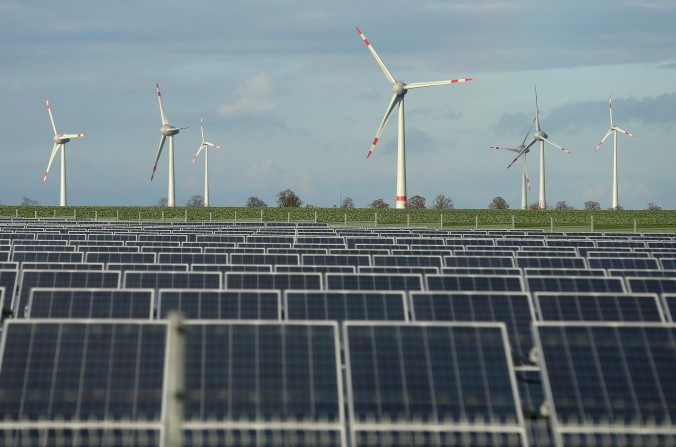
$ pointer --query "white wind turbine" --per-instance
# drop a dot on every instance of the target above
(205, 145)
(525, 180)
(613, 130)
(542, 137)
(167, 131)
(399, 90)
(60, 140)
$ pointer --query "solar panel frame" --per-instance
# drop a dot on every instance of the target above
(163, 295)
(93, 291)
(575, 297)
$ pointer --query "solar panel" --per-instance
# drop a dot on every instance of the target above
(643, 273)
(670, 306)
(353, 260)
(345, 305)
(90, 303)
(523, 242)
(480, 271)
(623, 263)
(223, 268)
(109, 248)
(172, 280)
(221, 304)
(513, 309)
(273, 281)
(613, 379)
(118, 257)
(475, 283)
(500, 253)
(408, 261)
(483, 261)
(315, 268)
(550, 262)
(47, 256)
(358, 252)
(271, 259)
(192, 258)
(83, 437)
(574, 284)
(373, 281)
(297, 251)
(398, 269)
(598, 307)
(256, 436)
(62, 266)
(531, 391)
(4, 256)
(84, 372)
(122, 267)
(651, 285)
(436, 438)
(44, 246)
(668, 263)
(60, 278)
(547, 254)
(165, 249)
(436, 377)
(9, 265)
(615, 254)
(563, 272)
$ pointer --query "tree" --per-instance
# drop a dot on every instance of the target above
(415, 202)
(347, 203)
(592, 205)
(498, 203)
(535, 206)
(379, 203)
(288, 198)
(195, 201)
(563, 205)
(652, 206)
(162, 202)
(27, 201)
(255, 202)
(442, 202)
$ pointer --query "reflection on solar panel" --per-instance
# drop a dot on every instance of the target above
(221, 304)
(127, 258)
(336, 260)
(272, 259)
(273, 281)
(475, 283)
(61, 266)
(46, 256)
(485, 261)
(366, 281)
(85, 437)
(398, 269)
(90, 303)
(550, 262)
(81, 371)
(408, 261)
(574, 284)
(597, 307)
(315, 268)
(60, 278)
(651, 285)
(223, 268)
(563, 272)
(513, 309)
(264, 437)
(623, 263)
(172, 280)
(344, 305)
(454, 377)
(248, 374)
(610, 378)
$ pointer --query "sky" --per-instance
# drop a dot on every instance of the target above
(294, 98)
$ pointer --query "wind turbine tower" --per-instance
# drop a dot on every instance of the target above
(205, 145)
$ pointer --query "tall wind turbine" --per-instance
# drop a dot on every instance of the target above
(60, 140)
(167, 131)
(542, 137)
(399, 90)
(205, 144)
(613, 130)
(525, 180)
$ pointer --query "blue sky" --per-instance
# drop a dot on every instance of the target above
(289, 91)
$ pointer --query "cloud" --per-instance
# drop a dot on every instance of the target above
(416, 141)
(251, 98)
(512, 123)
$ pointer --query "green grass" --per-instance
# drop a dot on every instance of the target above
(618, 220)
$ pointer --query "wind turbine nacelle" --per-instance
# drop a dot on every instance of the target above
(540, 135)
(168, 130)
(58, 139)
(399, 88)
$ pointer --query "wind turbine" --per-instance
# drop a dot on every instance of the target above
(60, 140)
(399, 90)
(614, 130)
(525, 180)
(167, 131)
(205, 144)
(542, 137)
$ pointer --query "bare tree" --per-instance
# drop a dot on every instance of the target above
(27, 201)
(195, 201)
(288, 198)
(255, 202)
(652, 206)
(163, 202)
(347, 203)
(498, 203)
(379, 203)
(592, 205)
(415, 202)
(563, 205)
(442, 202)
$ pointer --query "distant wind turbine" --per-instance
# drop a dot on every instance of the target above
(613, 130)
(542, 137)
(167, 131)
(205, 145)
(60, 140)
(525, 180)
(399, 90)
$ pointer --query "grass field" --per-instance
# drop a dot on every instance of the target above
(459, 218)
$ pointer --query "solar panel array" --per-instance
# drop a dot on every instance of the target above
(304, 334)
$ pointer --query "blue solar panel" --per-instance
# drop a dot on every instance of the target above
(172, 280)
(668, 263)
(121, 267)
(483, 261)
(47, 256)
(273, 281)
(223, 268)
(597, 307)
(334, 259)
(4, 256)
(264, 437)
(670, 306)
(83, 437)
(574, 284)
(108, 248)
(315, 268)
(221, 304)
(373, 281)
(398, 269)
(438, 438)
(192, 258)
(165, 249)
(651, 285)
(117, 257)
(623, 263)
(480, 271)
(563, 272)
(474, 283)
(643, 273)
(61, 266)
(90, 303)
(272, 259)
(550, 262)
(408, 261)
(345, 305)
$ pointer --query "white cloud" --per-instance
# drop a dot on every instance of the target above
(251, 98)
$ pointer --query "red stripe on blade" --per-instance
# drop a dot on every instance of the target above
(375, 141)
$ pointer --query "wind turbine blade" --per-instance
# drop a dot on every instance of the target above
(626, 132)
(55, 149)
(51, 118)
(610, 109)
(525, 172)
(388, 75)
(73, 135)
(500, 148)
(523, 143)
(388, 112)
(210, 144)
(202, 127)
(433, 83)
(159, 152)
(537, 110)
(199, 149)
(159, 99)
(516, 158)
(605, 137)
(557, 146)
